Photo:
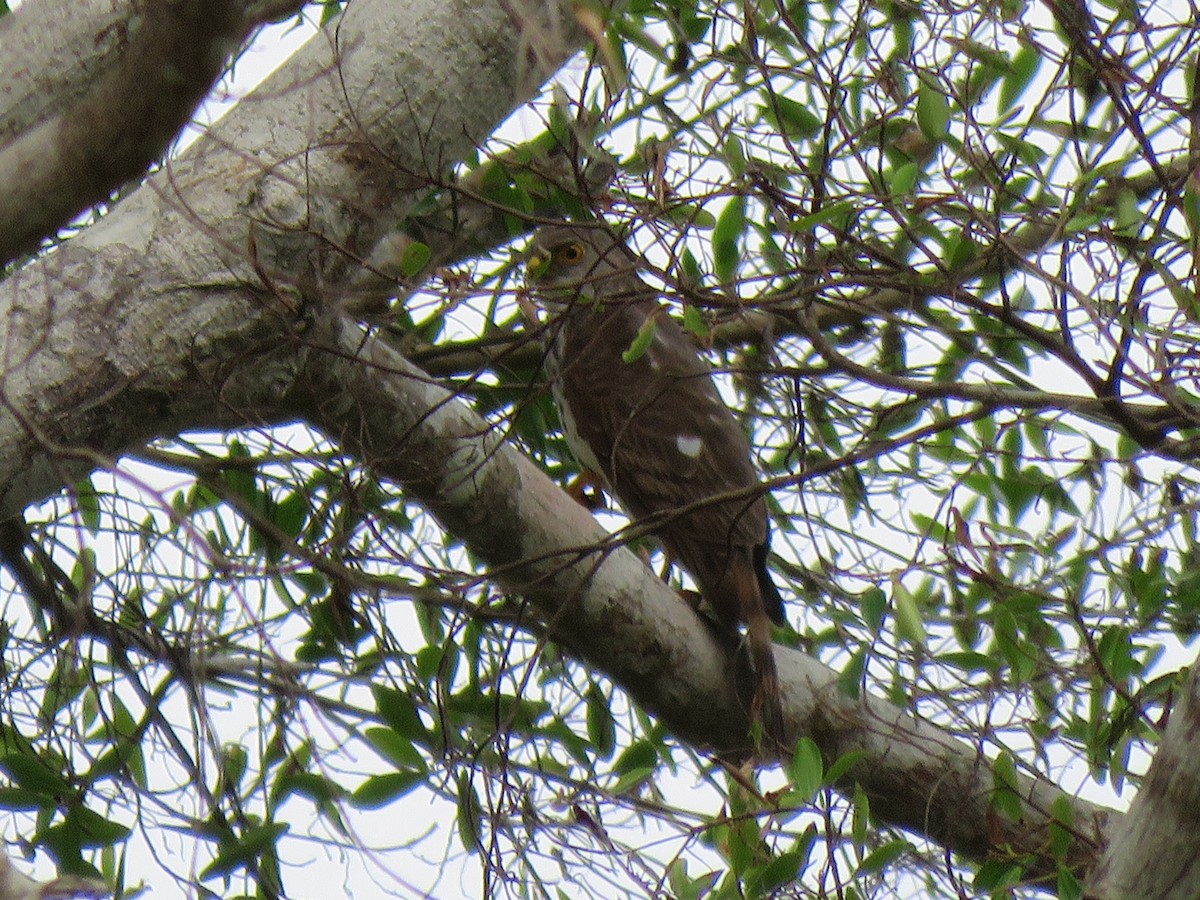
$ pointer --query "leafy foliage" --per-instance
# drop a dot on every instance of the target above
(953, 288)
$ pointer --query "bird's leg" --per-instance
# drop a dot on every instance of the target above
(578, 489)
(692, 598)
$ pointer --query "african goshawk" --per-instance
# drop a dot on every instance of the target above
(641, 411)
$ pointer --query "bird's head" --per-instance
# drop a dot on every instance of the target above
(569, 262)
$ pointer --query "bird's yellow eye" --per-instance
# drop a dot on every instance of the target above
(570, 253)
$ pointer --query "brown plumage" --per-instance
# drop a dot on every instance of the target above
(653, 427)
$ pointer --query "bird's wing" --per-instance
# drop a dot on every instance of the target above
(658, 425)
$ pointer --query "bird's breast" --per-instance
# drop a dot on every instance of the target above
(579, 446)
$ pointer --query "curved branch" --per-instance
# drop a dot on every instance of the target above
(124, 333)
(605, 606)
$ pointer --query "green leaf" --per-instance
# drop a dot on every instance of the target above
(395, 748)
(312, 785)
(782, 870)
(24, 799)
(840, 210)
(65, 845)
(601, 728)
(1005, 797)
(29, 772)
(922, 522)
(850, 678)
(902, 179)
(234, 761)
(694, 26)
(806, 771)
(380, 790)
(87, 504)
(1191, 205)
(93, 829)
(792, 118)
(470, 814)
(842, 765)
(742, 845)
(1022, 69)
(1069, 887)
(735, 156)
(632, 779)
(960, 250)
(690, 215)
(726, 239)
(1116, 653)
(290, 513)
(933, 111)
(873, 603)
(399, 713)
(641, 341)
(997, 876)
(882, 857)
(243, 849)
(693, 321)
(1129, 217)
(684, 887)
(638, 756)
(414, 259)
(970, 661)
(1083, 222)
(990, 57)
(860, 821)
(690, 267)
(909, 624)
(1062, 819)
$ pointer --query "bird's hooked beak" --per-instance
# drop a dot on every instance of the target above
(541, 278)
(537, 261)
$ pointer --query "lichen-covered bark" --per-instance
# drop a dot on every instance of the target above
(76, 157)
(1152, 854)
(52, 59)
(124, 332)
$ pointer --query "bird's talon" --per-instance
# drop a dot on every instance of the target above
(586, 492)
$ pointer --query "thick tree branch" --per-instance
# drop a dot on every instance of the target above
(125, 332)
(51, 61)
(1163, 819)
(70, 161)
(606, 606)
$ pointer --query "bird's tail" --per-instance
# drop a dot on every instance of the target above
(767, 709)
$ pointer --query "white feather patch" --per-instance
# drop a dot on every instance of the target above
(689, 445)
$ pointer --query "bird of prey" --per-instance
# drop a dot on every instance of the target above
(641, 412)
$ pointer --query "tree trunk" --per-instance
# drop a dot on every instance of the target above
(1152, 853)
